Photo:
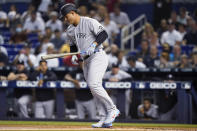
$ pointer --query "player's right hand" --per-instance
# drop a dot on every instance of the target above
(74, 60)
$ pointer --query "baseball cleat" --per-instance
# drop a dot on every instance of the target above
(111, 116)
(107, 125)
(99, 124)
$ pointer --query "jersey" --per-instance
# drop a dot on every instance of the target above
(84, 34)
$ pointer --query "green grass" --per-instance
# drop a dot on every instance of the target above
(55, 123)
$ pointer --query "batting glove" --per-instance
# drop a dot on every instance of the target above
(91, 49)
(74, 60)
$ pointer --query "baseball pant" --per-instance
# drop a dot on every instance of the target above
(22, 103)
(94, 70)
(86, 106)
(44, 109)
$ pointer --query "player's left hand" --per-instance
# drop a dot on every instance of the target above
(91, 49)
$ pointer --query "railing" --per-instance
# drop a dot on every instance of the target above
(184, 98)
(130, 31)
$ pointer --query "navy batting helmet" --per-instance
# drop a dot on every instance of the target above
(65, 9)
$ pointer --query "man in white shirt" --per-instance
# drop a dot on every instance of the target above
(54, 23)
(172, 36)
(121, 18)
(134, 63)
(111, 28)
(43, 7)
(50, 62)
(27, 14)
(3, 18)
(34, 24)
(26, 56)
(112, 57)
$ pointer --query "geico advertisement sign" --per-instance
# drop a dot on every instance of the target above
(27, 84)
(162, 85)
(3, 83)
(65, 84)
(117, 84)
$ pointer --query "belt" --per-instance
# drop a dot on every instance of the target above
(87, 56)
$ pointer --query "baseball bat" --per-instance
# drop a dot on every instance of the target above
(51, 56)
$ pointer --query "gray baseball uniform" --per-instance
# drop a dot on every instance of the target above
(83, 35)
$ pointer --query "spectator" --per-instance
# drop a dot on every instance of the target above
(27, 14)
(54, 23)
(93, 14)
(164, 61)
(19, 37)
(175, 56)
(3, 58)
(184, 62)
(26, 56)
(144, 49)
(102, 11)
(113, 55)
(58, 41)
(191, 36)
(3, 50)
(122, 61)
(51, 62)
(121, 18)
(182, 18)
(173, 17)
(163, 27)
(43, 7)
(48, 33)
(14, 18)
(83, 11)
(23, 95)
(182, 30)
(147, 110)
(133, 63)
(148, 32)
(194, 59)
(154, 41)
(1, 39)
(172, 36)
(166, 48)
(111, 28)
(3, 19)
(84, 100)
(152, 59)
(117, 75)
(45, 43)
(3, 62)
(34, 24)
(44, 105)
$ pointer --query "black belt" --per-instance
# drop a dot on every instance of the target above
(86, 57)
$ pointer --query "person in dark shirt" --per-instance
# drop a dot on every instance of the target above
(191, 36)
(84, 99)
(144, 50)
(23, 95)
(152, 59)
(57, 40)
(44, 105)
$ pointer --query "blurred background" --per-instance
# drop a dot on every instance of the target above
(152, 50)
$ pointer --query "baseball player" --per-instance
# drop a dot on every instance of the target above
(86, 35)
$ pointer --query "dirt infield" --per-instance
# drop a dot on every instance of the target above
(86, 126)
